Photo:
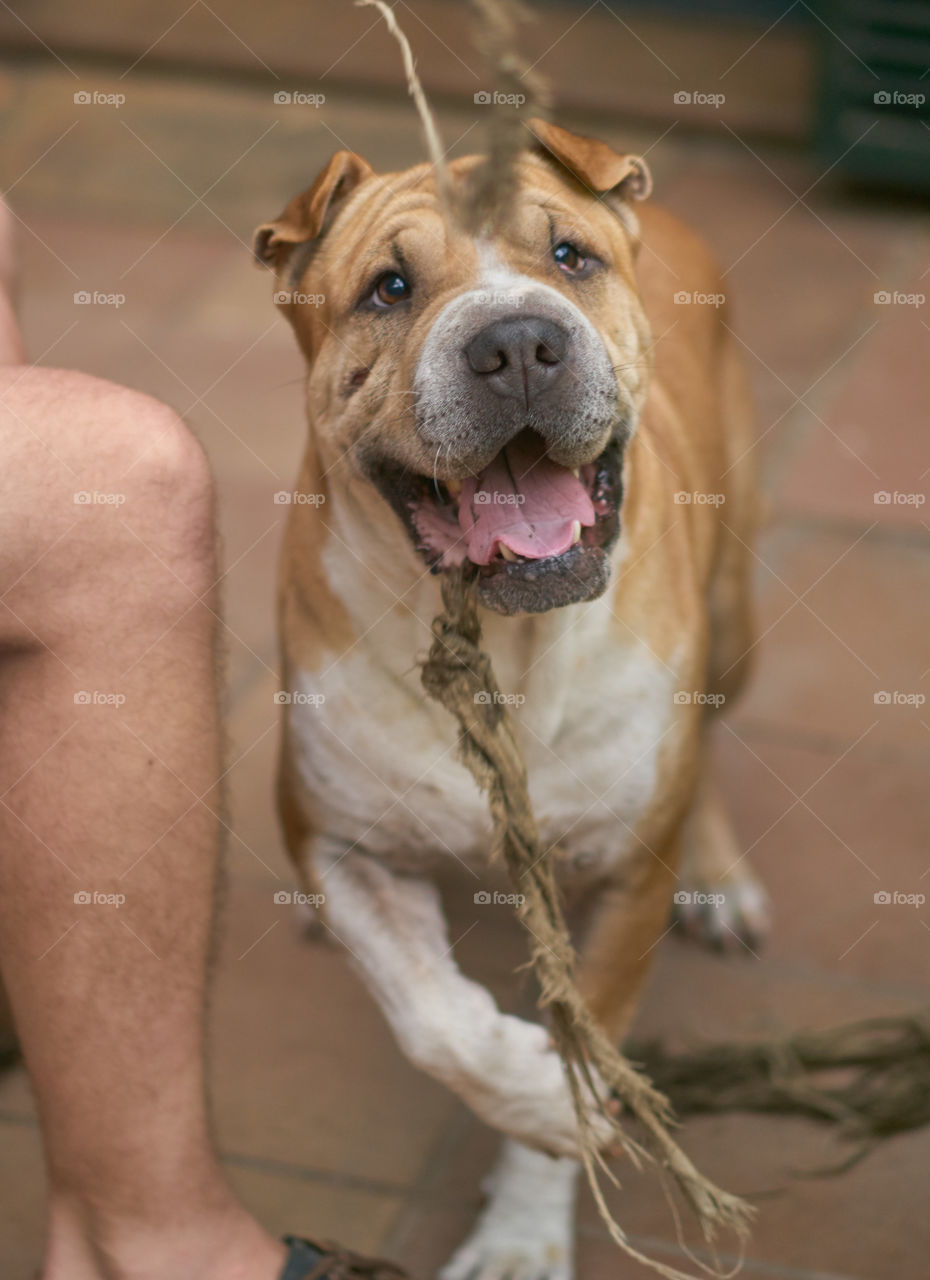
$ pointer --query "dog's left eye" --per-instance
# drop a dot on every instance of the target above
(568, 257)
(389, 289)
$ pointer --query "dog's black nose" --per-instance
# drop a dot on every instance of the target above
(520, 357)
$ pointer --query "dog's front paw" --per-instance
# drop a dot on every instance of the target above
(523, 1092)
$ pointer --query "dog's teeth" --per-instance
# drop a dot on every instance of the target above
(506, 552)
(576, 472)
(454, 487)
(576, 532)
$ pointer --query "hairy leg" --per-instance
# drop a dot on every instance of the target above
(108, 757)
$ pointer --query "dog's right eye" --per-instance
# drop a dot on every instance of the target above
(389, 289)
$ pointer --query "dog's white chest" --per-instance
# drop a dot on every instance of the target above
(380, 763)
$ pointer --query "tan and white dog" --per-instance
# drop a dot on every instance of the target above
(538, 405)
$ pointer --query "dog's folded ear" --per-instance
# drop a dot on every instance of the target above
(593, 163)
(308, 215)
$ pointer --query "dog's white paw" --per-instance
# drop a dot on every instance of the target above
(526, 1232)
(522, 1091)
(731, 913)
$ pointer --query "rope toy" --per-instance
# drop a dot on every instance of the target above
(458, 674)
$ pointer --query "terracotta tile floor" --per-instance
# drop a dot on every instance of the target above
(324, 1125)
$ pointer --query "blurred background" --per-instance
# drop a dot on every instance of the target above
(142, 142)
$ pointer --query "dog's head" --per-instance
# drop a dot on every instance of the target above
(486, 388)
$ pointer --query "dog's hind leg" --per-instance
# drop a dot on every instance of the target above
(527, 1228)
(719, 900)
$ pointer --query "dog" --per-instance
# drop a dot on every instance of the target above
(539, 405)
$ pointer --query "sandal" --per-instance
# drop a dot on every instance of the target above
(321, 1260)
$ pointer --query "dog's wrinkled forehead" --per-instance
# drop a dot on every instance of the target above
(339, 225)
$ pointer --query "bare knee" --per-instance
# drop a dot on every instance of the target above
(106, 498)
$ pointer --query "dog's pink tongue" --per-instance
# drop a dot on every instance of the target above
(524, 501)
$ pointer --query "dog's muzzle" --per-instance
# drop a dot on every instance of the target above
(519, 410)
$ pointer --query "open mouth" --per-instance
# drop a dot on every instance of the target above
(535, 534)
